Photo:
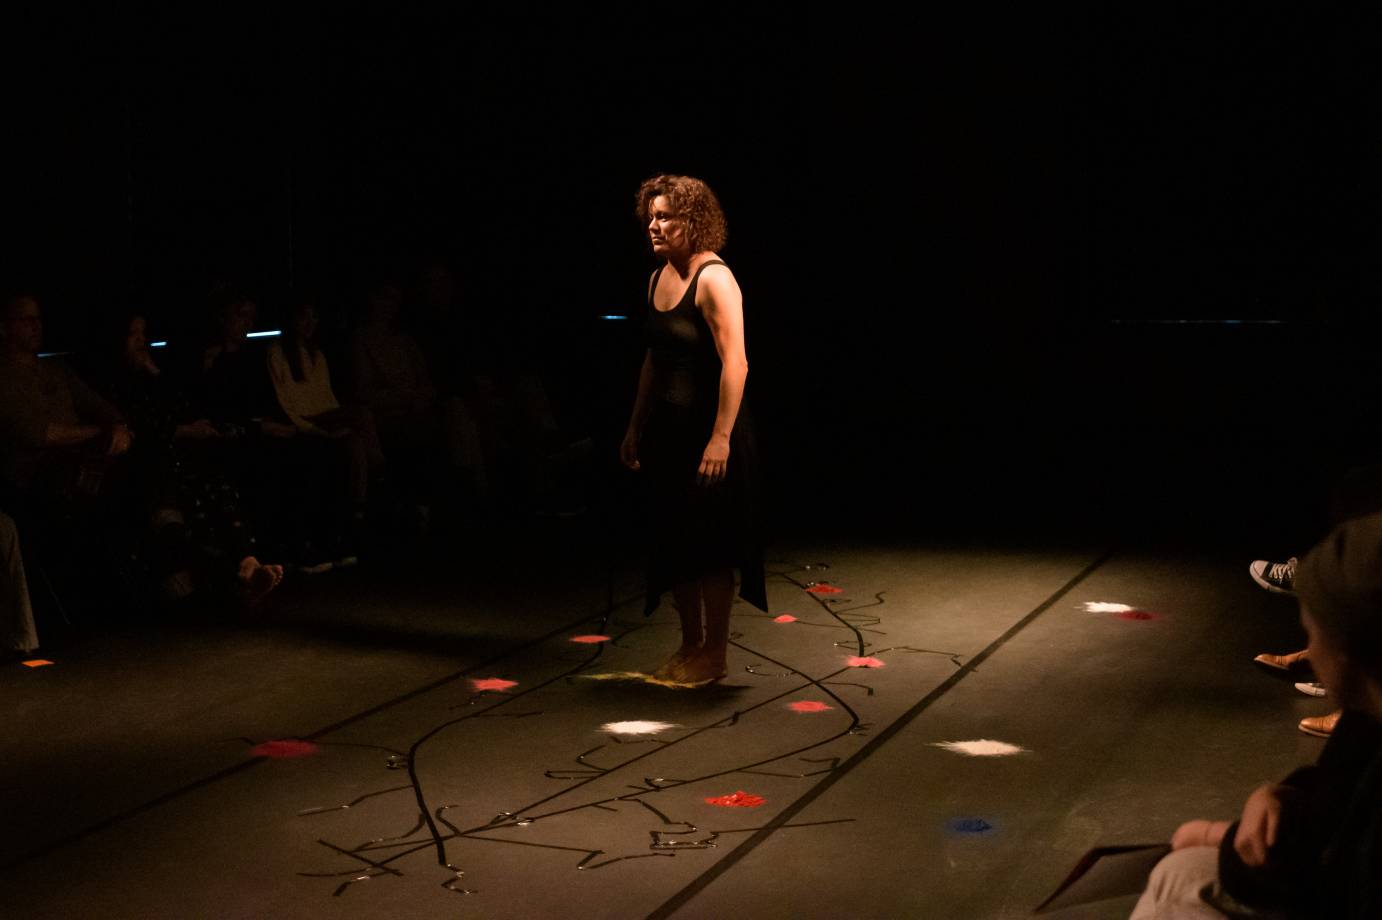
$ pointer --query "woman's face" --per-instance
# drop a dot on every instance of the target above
(666, 231)
(238, 320)
(136, 342)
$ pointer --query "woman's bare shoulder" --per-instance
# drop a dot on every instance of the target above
(716, 277)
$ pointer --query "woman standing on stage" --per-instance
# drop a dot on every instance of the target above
(690, 432)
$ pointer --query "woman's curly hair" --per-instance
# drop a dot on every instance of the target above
(694, 203)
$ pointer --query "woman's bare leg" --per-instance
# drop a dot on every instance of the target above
(708, 663)
(687, 597)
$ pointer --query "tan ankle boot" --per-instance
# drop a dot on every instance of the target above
(1321, 726)
(1283, 662)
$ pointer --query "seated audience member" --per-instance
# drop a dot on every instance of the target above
(1310, 846)
(227, 384)
(417, 430)
(278, 477)
(450, 349)
(16, 614)
(230, 386)
(435, 320)
(522, 426)
(175, 483)
(497, 413)
(53, 427)
(390, 370)
(155, 408)
(302, 382)
(58, 441)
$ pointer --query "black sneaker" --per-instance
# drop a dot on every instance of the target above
(1276, 577)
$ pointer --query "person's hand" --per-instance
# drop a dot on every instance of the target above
(714, 461)
(1257, 829)
(119, 440)
(628, 450)
(1198, 833)
(147, 365)
(277, 429)
(201, 429)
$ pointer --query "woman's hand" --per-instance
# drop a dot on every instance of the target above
(1257, 829)
(275, 429)
(714, 461)
(628, 450)
(145, 363)
(118, 440)
(1199, 833)
(201, 429)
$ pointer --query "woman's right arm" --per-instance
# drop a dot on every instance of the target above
(58, 434)
(628, 451)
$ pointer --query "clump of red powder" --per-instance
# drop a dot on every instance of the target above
(284, 749)
(740, 799)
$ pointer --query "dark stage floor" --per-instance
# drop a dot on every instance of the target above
(131, 789)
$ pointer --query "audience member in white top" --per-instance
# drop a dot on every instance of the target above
(302, 383)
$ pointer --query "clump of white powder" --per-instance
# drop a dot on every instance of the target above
(1105, 607)
(981, 748)
(635, 728)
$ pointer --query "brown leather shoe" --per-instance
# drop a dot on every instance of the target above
(1284, 662)
(1321, 726)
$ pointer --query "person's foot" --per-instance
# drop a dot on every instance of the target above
(1276, 577)
(1311, 688)
(1321, 726)
(257, 579)
(177, 586)
(672, 669)
(704, 668)
(1283, 662)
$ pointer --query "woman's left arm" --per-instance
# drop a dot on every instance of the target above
(724, 313)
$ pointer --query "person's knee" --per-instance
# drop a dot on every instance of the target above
(1178, 880)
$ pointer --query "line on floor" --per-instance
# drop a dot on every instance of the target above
(202, 783)
(703, 881)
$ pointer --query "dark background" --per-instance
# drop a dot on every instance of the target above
(961, 234)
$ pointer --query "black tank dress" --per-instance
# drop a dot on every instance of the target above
(695, 530)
